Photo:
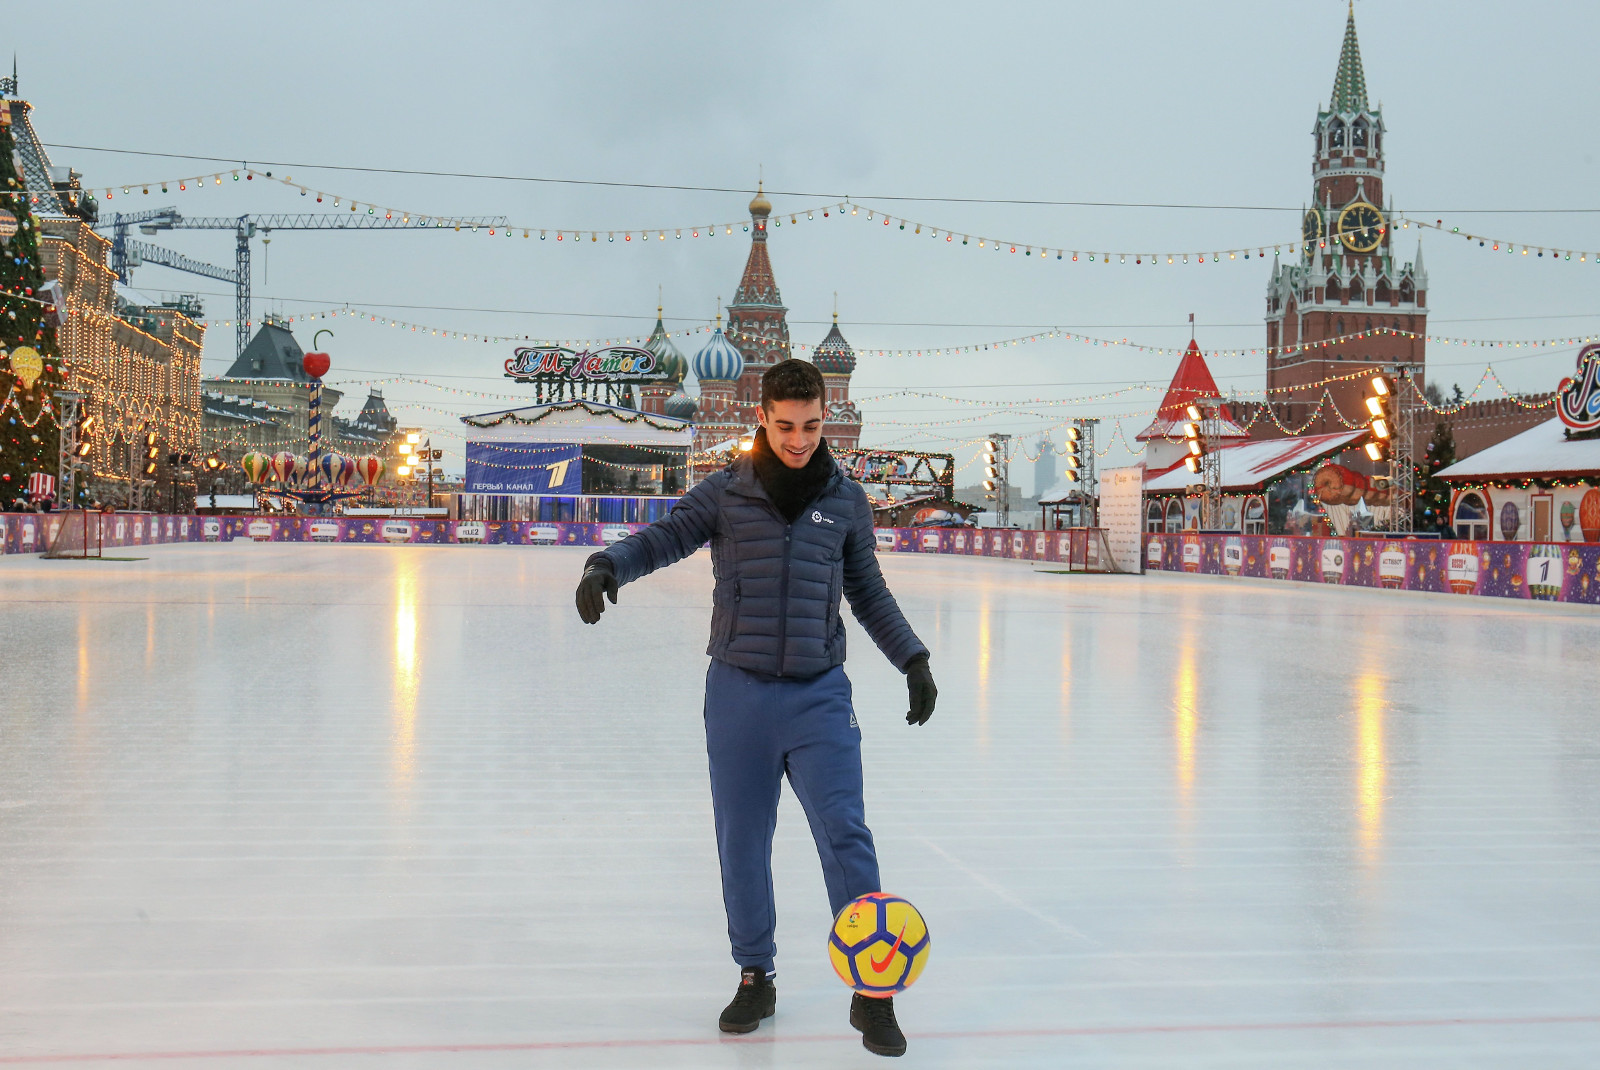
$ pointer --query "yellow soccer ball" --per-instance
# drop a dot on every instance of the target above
(878, 944)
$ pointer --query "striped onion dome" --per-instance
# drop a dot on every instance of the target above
(671, 358)
(834, 356)
(718, 359)
(681, 406)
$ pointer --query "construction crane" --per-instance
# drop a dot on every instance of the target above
(128, 253)
(51, 196)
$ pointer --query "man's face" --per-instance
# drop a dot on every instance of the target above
(794, 428)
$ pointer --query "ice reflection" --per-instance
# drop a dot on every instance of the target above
(1185, 719)
(404, 730)
(1371, 768)
(83, 661)
(1065, 720)
(985, 659)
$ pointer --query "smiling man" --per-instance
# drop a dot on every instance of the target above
(790, 536)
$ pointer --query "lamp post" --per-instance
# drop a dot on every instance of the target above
(416, 449)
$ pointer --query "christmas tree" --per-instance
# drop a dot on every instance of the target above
(1432, 501)
(30, 363)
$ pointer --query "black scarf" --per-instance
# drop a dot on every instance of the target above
(791, 489)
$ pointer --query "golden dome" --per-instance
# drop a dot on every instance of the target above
(760, 207)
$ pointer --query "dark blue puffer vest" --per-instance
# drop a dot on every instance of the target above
(775, 609)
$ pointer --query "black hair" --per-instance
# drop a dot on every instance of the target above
(791, 380)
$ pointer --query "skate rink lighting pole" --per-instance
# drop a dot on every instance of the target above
(67, 453)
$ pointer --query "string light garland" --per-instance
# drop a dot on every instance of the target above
(544, 232)
(592, 235)
(1511, 248)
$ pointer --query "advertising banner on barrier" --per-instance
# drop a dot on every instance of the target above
(1545, 572)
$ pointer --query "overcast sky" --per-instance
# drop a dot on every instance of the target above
(1489, 106)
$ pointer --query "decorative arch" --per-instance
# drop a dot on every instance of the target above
(1358, 134)
(1336, 134)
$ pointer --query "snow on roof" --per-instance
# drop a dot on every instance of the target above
(1538, 451)
(1252, 465)
(1066, 490)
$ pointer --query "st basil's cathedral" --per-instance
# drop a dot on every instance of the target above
(729, 366)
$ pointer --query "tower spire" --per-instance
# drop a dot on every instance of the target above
(1349, 82)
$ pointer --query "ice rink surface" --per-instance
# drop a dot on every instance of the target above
(347, 806)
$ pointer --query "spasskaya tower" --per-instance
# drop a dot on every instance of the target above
(1347, 283)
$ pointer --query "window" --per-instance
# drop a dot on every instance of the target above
(1358, 134)
(1472, 517)
(1382, 292)
(1154, 517)
(1255, 516)
(1174, 515)
(1336, 135)
(1339, 327)
(1333, 291)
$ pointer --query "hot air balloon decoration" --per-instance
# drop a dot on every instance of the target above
(27, 365)
(1545, 572)
(1589, 515)
(369, 470)
(1510, 521)
(257, 466)
(332, 465)
(285, 467)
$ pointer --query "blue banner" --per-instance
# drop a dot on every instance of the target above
(523, 468)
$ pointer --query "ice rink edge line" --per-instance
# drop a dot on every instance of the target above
(773, 1038)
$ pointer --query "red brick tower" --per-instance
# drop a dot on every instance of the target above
(1347, 282)
(756, 321)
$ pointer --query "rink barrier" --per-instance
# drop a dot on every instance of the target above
(32, 533)
(1540, 571)
(1549, 572)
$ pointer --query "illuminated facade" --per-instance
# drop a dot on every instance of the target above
(138, 367)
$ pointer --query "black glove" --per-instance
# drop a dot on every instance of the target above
(597, 577)
(923, 692)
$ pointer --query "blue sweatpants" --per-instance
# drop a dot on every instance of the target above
(760, 729)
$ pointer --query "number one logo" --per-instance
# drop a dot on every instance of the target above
(558, 472)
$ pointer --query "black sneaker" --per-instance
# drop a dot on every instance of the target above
(756, 999)
(874, 1019)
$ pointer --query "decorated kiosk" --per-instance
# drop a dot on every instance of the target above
(583, 452)
(1542, 485)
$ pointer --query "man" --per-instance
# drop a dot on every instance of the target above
(790, 535)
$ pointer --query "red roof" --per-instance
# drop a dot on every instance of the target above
(1192, 380)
